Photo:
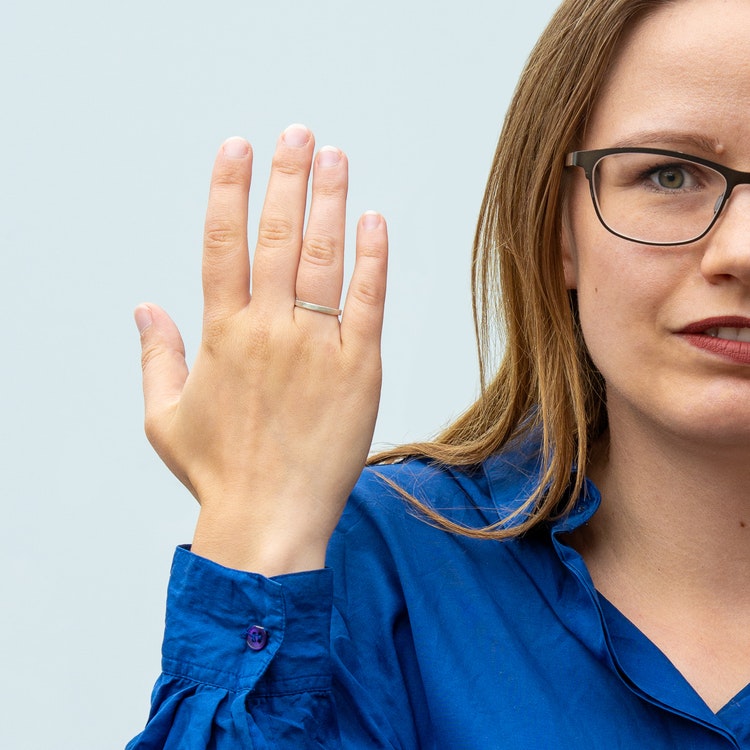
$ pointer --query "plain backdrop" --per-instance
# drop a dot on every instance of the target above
(111, 116)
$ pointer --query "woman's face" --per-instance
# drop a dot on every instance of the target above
(681, 82)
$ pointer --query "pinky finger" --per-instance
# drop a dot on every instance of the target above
(362, 321)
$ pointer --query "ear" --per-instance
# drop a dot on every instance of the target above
(567, 248)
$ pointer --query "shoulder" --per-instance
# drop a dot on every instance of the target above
(386, 552)
(388, 492)
(472, 496)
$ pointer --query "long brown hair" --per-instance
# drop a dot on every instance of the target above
(546, 380)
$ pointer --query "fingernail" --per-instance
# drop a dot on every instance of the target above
(371, 220)
(296, 135)
(329, 156)
(236, 147)
(142, 317)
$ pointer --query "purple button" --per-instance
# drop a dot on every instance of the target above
(257, 637)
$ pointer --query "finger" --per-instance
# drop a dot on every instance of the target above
(226, 266)
(321, 264)
(362, 321)
(282, 220)
(164, 367)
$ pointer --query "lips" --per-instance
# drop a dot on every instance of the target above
(727, 337)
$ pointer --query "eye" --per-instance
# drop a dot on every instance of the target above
(672, 177)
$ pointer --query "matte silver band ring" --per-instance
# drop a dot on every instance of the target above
(317, 308)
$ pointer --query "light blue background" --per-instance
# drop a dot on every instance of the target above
(111, 115)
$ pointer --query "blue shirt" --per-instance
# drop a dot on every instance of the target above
(417, 638)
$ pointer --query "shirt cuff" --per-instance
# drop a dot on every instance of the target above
(210, 610)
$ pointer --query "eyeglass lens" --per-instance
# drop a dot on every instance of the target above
(654, 198)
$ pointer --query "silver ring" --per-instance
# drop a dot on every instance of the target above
(317, 308)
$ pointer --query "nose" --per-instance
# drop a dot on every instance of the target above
(726, 253)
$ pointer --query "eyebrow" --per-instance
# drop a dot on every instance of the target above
(671, 137)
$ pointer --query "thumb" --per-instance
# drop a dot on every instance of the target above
(163, 362)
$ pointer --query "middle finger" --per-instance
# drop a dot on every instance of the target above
(282, 220)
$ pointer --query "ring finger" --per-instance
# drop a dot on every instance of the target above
(321, 264)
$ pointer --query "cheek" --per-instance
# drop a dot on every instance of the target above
(622, 288)
(600, 317)
(624, 306)
(598, 276)
(611, 302)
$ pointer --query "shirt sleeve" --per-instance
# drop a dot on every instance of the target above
(333, 664)
(245, 662)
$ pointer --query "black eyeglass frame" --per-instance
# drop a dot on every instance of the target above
(588, 160)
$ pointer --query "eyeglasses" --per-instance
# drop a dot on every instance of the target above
(656, 197)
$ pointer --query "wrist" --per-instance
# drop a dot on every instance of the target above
(247, 542)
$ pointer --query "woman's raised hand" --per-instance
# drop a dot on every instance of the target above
(272, 426)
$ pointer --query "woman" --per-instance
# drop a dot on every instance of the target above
(566, 565)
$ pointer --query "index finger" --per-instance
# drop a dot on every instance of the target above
(226, 264)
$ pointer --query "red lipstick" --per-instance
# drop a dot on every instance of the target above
(726, 336)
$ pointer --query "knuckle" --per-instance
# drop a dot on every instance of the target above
(332, 186)
(156, 422)
(219, 233)
(275, 230)
(152, 428)
(372, 250)
(149, 353)
(320, 250)
(367, 293)
(261, 344)
(227, 343)
(214, 333)
(220, 339)
(310, 350)
(230, 176)
(285, 164)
